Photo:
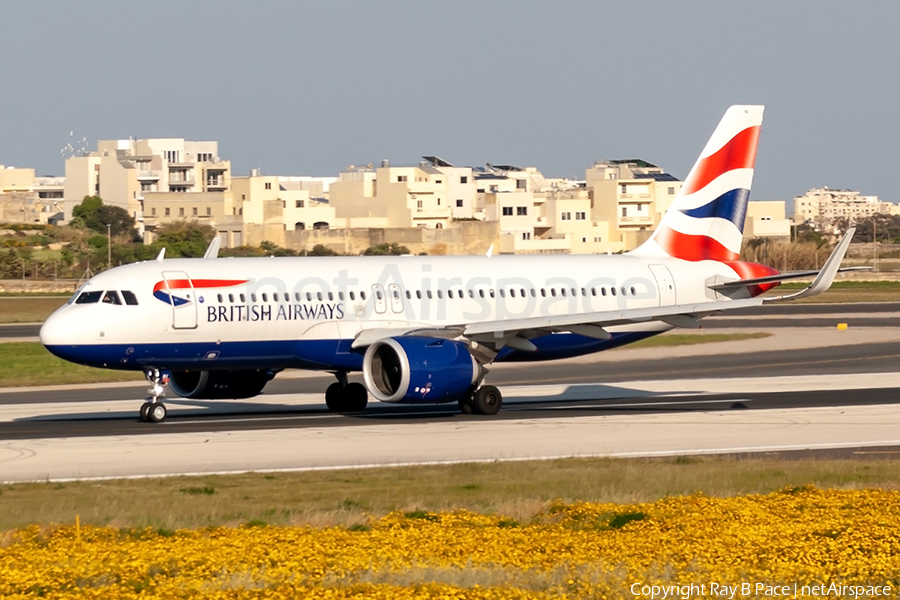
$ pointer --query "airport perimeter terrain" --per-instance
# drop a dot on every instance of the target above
(777, 445)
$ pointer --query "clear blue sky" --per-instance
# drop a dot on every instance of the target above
(307, 88)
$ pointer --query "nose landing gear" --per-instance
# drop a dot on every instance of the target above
(153, 410)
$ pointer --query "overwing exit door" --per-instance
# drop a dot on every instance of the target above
(179, 290)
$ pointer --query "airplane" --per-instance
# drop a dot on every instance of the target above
(424, 329)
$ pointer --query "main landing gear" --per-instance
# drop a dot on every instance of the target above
(485, 400)
(346, 397)
(153, 410)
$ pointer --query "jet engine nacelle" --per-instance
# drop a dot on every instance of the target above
(413, 369)
(219, 385)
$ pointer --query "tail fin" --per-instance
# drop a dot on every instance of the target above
(706, 219)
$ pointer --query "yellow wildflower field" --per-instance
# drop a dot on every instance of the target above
(802, 536)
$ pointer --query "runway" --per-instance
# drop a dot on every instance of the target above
(805, 387)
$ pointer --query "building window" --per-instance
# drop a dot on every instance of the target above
(439, 181)
(418, 203)
(181, 211)
(520, 184)
(598, 239)
(623, 188)
(580, 216)
(268, 185)
(167, 211)
(208, 211)
(566, 216)
(401, 178)
(439, 201)
(671, 191)
(464, 179)
(153, 212)
(459, 203)
(300, 203)
(522, 211)
(526, 235)
(584, 240)
(507, 211)
(194, 211)
(624, 211)
(243, 196)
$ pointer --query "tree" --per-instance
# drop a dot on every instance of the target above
(320, 250)
(95, 215)
(188, 239)
(392, 249)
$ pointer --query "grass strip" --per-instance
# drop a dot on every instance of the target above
(690, 339)
(28, 309)
(29, 363)
(518, 490)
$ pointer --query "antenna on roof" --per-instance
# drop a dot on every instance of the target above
(490, 251)
(213, 250)
(161, 255)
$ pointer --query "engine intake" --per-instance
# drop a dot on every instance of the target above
(419, 370)
(219, 385)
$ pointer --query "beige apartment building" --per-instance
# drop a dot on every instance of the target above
(631, 195)
(26, 198)
(122, 172)
(821, 206)
(766, 219)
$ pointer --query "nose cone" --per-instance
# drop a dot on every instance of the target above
(59, 335)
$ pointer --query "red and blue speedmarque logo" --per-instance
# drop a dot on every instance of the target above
(166, 290)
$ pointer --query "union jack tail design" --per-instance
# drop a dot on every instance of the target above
(706, 219)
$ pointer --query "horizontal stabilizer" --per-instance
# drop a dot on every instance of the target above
(739, 283)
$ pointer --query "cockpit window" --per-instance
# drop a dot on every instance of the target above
(89, 297)
(131, 299)
(111, 298)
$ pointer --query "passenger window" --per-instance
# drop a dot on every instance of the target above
(491, 292)
(111, 298)
(308, 296)
(319, 295)
(603, 291)
(231, 297)
(623, 290)
(341, 296)
(331, 295)
(428, 293)
(440, 294)
(512, 292)
(562, 291)
(265, 297)
(243, 298)
(89, 297)
(533, 293)
(553, 292)
(632, 291)
(362, 295)
(353, 295)
(612, 291)
(450, 294)
(481, 293)
(275, 297)
(503, 293)
(543, 292)
(218, 297)
(593, 291)
(378, 294)
(252, 297)
(131, 299)
(523, 292)
(471, 294)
